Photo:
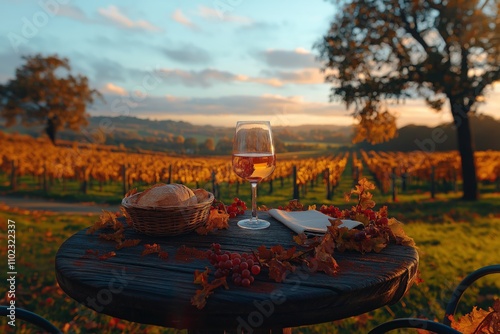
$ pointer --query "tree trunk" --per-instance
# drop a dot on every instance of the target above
(50, 129)
(466, 149)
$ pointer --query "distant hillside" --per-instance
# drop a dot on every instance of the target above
(144, 134)
(485, 131)
(168, 135)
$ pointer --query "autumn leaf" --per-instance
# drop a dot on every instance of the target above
(366, 201)
(128, 243)
(293, 205)
(479, 321)
(217, 219)
(91, 252)
(360, 217)
(151, 249)
(398, 235)
(186, 254)
(117, 236)
(364, 196)
(325, 263)
(278, 269)
(323, 256)
(107, 255)
(263, 253)
(107, 219)
(200, 298)
(300, 239)
(163, 255)
(201, 277)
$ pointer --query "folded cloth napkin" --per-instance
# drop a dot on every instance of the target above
(310, 221)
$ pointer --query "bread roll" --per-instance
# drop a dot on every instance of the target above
(167, 195)
(201, 194)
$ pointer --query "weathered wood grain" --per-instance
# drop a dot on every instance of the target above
(149, 290)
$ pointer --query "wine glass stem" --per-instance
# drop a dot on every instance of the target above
(254, 201)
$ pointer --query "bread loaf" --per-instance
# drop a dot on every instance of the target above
(167, 195)
(201, 195)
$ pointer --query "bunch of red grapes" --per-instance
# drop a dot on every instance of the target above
(242, 267)
(238, 207)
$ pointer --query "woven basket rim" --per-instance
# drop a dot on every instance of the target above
(126, 203)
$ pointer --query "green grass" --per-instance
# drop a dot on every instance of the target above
(453, 239)
(38, 237)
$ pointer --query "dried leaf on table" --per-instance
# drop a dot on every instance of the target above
(128, 243)
(200, 298)
(201, 277)
(117, 236)
(107, 219)
(107, 255)
(163, 255)
(217, 219)
(186, 254)
(323, 259)
(279, 269)
(151, 249)
(293, 205)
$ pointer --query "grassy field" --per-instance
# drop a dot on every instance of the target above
(453, 238)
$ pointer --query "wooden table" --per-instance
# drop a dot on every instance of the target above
(149, 290)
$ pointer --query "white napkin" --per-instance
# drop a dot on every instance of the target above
(310, 221)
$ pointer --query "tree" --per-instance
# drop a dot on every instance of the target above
(191, 144)
(224, 146)
(379, 51)
(208, 145)
(45, 92)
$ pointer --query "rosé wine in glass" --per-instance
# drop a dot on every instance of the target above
(253, 160)
(254, 166)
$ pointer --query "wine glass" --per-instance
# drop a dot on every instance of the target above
(253, 160)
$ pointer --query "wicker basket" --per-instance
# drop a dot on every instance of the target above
(168, 220)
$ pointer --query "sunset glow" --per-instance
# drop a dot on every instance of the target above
(194, 62)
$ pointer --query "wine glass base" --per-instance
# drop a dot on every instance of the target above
(254, 224)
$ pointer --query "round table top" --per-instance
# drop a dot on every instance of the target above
(150, 290)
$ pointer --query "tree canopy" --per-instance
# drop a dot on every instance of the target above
(377, 52)
(45, 92)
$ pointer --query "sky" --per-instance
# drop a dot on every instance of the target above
(205, 62)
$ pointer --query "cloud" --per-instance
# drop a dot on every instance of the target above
(306, 76)
(267, 105)
(115, 16)
(114, 89)
(298, 58)
(220, 15)
(188, 54)
(108, 16)
(73, 12)
(179, 17)
(203, 78)
(106, 70)
(209, 77)
(259, 27)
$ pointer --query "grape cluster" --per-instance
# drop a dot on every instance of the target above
(331, 211)
(242, 267)
(238, 207)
